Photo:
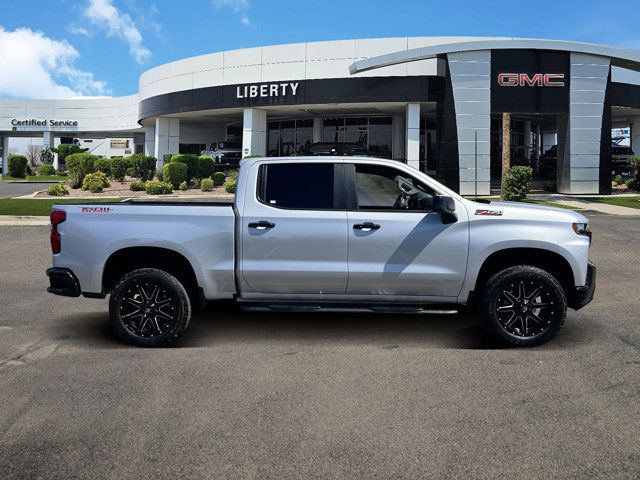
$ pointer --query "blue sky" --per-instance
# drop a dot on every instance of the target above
(65, 48)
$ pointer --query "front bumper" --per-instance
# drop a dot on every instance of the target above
(63, 282)
(582, 296)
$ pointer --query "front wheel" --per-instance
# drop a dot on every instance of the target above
(523, 306)
(149, 308)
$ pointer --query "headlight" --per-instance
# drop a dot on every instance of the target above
(582, 229)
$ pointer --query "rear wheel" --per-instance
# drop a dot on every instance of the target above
(149, 308)
(523, 306)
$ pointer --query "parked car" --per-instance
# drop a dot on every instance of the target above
(224, 152)
(337, 148)
(311, 233)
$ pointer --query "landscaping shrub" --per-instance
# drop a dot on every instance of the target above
(233, 173)
(118, 168)
(190, 160)
(57, 190)
(144, 167)
(160, 175)
(231, 185)
(94, 186)
(95, 178)
(166, 158)
(205, 166)
(219, 178)
(634, 166)
(46, 169)
(17, 166)
(175, 173)
(102, 165)
(517, 183)
(617, 179)
(137, 186)
(206, 184)
(30, 171)
(183, 186)
(632, 184)
(158, 188)
(66, 150)
(79, 165)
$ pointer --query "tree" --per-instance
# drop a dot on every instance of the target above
(506, 150)
(65, 150)
(33, 154)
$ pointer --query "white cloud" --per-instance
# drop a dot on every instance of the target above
(78, 30)
(35, 66)
(103, 14)
(238, 6)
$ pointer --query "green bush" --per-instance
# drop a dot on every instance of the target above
(158, 188)
(632, 184)
(65, 150)
(94, 186)
(46, 169)
(137, 186)
(233, 173)
(205, 166)
(617, 179)
(160, 175)
(166, 158)
(17, 166)
(231, 185)
(144, 167)
(79, 165)
(206, 184)
(102, 165)
(219, 178)
(57, 190)
(517, 183)
(190, 160)
(119, 167)
(98, 177)
(174, 173)
(183, 186)
(30, 171)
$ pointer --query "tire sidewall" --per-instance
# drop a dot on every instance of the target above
(173, 288)
(495, 286)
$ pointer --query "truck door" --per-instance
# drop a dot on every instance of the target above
(294, 231)
(397, 244)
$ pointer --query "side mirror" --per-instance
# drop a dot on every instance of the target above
(446, 206)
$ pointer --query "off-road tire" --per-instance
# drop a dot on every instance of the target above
(522, 330)
(160, 319)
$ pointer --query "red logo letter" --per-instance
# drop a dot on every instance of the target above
(508, 79)
(534, 81)
(554, 80)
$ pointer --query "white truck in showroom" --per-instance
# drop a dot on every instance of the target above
(322, 233)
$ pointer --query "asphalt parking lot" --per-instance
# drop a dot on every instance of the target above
(253, 395)
(13, 189)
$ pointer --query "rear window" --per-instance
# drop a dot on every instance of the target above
(306, 186)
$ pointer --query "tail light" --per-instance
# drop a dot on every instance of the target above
(57, 217)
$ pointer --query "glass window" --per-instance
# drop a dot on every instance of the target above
(385, 188)
(273, 139)
(304, 136)
(298, 185)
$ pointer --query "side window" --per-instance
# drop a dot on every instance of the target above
(307, 186)
(385, 188)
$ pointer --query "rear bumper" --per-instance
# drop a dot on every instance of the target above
(583, 295)
(63, 282)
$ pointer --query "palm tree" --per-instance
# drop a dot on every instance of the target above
(506, 149)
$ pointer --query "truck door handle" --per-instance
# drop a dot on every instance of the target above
(366, 226)
(262, 225)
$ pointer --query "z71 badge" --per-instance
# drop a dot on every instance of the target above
(95, 210)
(490, 213)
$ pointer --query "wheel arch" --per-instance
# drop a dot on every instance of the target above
(547, 260)
(127, 259)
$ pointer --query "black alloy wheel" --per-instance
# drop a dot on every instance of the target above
(523, 306)
(149, 307)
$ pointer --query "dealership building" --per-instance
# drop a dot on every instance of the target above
(433, 102)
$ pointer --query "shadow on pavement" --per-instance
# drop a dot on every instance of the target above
(227, 324)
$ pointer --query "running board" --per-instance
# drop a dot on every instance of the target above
(301, 308)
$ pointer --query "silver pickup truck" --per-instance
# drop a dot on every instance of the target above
(314, 233)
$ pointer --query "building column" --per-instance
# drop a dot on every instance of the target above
(150, 141)
(397, 138)
(527, 139)
(634, 124)
(5, 155)
(317, 130)
(166, 138)
(412, 133)
(254, 132)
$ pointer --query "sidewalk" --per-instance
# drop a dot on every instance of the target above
(582, 202)
(22, 220)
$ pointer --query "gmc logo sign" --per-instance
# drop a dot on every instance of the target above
(537, 80)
